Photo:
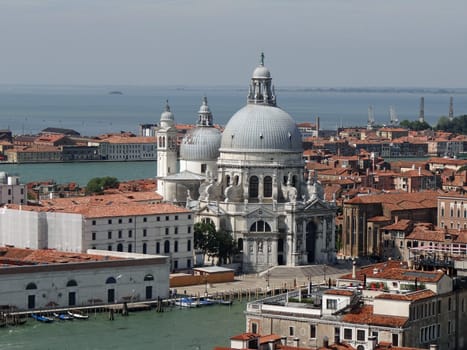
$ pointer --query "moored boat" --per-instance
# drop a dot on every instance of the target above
(78, 315)
(63, 317)
(186, 302)
(42, 318)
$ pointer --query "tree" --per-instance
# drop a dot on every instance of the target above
(97, 185)
(204, 233)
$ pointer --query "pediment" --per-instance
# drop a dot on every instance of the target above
(210, 209)
(260, 212)
(317, 204)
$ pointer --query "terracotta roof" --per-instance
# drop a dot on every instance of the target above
(365, 315)
(401, 225)
(400, 201)
(18, 256)
(413, 296)
(128, 139)
(337, 346)
(347, 293)
(245, 336)
(379, 219)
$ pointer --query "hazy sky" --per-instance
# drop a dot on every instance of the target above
(316, 43)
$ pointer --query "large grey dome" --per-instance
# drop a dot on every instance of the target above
(201, 143)
(261, 128)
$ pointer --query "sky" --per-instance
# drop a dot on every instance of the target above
(315, 43)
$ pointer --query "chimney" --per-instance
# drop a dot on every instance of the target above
(325, 342)
(371, 342)
(354, 269)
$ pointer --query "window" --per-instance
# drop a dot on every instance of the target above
(176, 230)
(253, 187)
(130, 220)
(449, 304)
(331, 304)
(109, 247)
(188, 245)
(71, 283)
(203, 168)
(145, 219)
(119, 247)
(166, 230)
(267, 187)
(360, 334)
(120, 221)
(167, 218)
(166, 247)
(119, 234)
(348, 333)
(109, 221)
(31, 285)
(395, 339)
(260, 226)
(189, 229)
(109, 235)
(175, 264)
(158, 248)
(144, 232)
(130, 233)
(176, 217)
(93, 222)
(111, 280)
(145, 248)
(254, 328)
(188, 263)
(176, 246)
(130, 248)
(291, 331)
(189, 216)
(158, 218)
(312, 331)
(93, 234)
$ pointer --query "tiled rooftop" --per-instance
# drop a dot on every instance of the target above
(18, 256)
(365, 315)
(413, 296)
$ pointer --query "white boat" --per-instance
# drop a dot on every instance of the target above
(78, 316)
(186, 302)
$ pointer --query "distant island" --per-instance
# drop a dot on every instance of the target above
(115, 93)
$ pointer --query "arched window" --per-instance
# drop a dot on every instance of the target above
(31, 285)
(267, 187)
(119, 247)
(145, 248)
(260, 226)
(240, 244)
(149, 277)
(71, 283)
(111, 280)
(167, 247)
(227, 180)
(253, 187)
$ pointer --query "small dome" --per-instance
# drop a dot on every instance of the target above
(261, 72)
(201, 143)
(167, 115)
(261, 128)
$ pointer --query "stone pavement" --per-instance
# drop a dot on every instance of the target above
(278, 277)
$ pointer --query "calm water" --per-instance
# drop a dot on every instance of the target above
(92, 111)
(179, 329)
(81, 173)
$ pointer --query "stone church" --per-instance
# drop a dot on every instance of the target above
(250, 180)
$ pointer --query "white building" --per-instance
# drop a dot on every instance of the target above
(258, 189)
(40, 279)
(126, 148)
(107, 222)
(11, 191)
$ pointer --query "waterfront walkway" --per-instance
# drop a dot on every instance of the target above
(274, 279)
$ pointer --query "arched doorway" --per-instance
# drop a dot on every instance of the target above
(310, 241)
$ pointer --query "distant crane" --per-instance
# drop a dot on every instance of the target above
(451, 109)
(371, 118)
(394, 120)
(421, 117)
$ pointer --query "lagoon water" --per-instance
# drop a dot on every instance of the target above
(91, 110)
(178, 329)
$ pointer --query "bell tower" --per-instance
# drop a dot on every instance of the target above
(166, 149)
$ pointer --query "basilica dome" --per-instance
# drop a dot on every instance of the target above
(202, 142)
(261, 128)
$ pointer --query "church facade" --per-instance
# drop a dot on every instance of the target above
(250, 180)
